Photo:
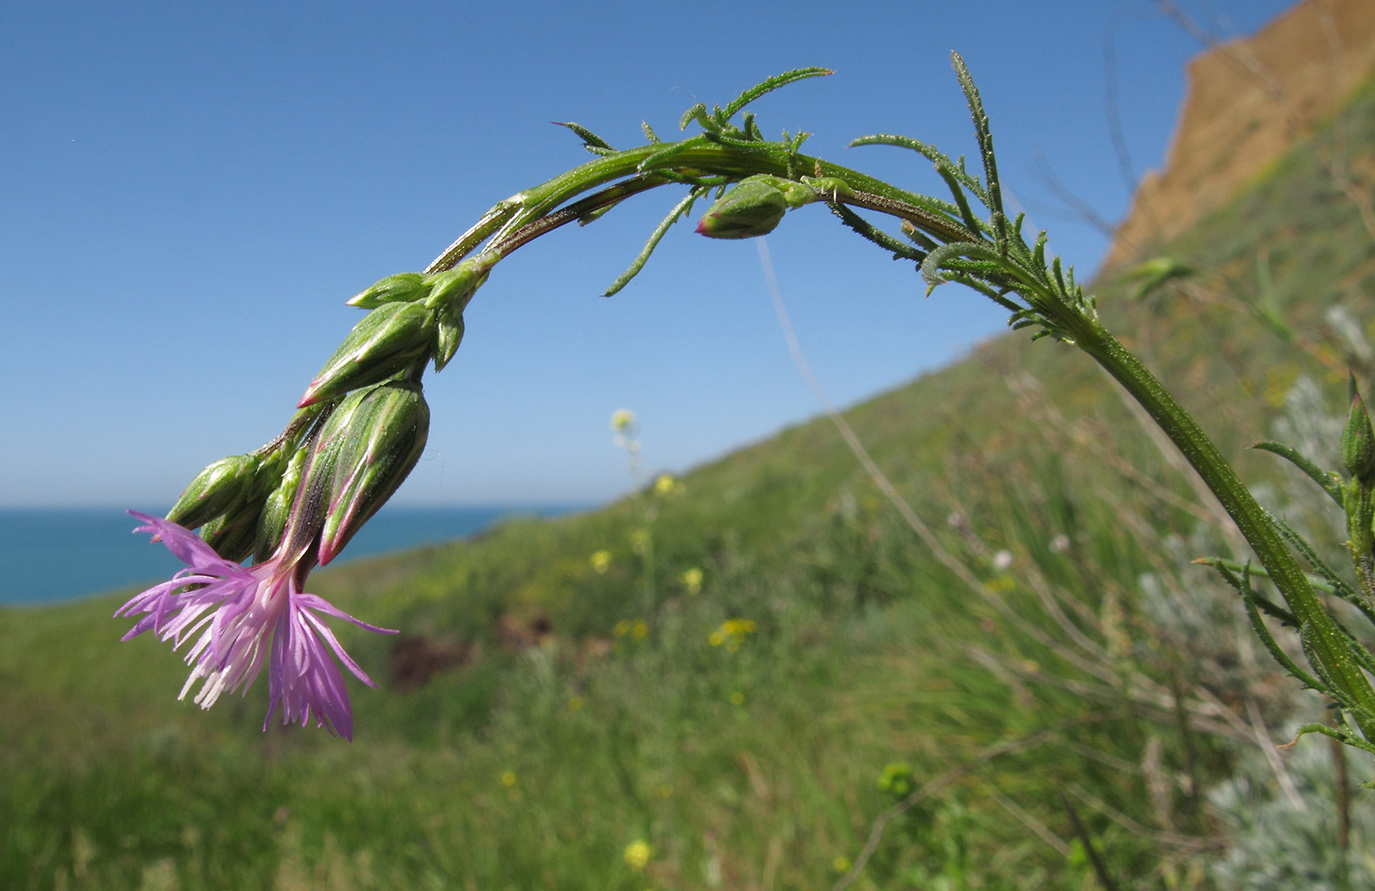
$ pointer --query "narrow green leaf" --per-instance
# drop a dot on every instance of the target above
(591, 141)
(1328, 481)
(948, 174)
(768, 86)
(900, 249)
(920, 237)
(932, 154)
(1248, 598)
(1316, 581)
(681, 208)
(699, 114)
(1340, 735)
(751, 129)
(985, 138)
(993, 294)
(932, 267)
(665, 156)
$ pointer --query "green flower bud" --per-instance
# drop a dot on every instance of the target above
(1358, 441)
(405, 287)
(277, 509)
(215, 491)
(453, 288)
(388, 339)
(363, 452)
(448, 334)
(755, 206)
(232, 535)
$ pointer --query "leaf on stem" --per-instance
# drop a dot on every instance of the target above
(768, 86)
(679, 210)
(590, 141)
(1327, 480)
(899, 249)
(931, 153)
(985, 137)
(1341, 735)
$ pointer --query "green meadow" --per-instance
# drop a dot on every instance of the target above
(762, 677)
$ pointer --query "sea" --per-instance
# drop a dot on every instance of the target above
(50, 555)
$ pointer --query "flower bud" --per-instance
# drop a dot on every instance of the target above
(755, 206)
(1358, 441)
(455, 287)
(405, 287)
(215, 490)
(388, 339)
(232, 534)
(277, 509)
(448, 334)
(363, 452)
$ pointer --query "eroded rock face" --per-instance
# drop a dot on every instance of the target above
(1247, 102)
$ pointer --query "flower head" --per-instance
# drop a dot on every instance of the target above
(665, 485)
(622, 418)
(242, 617)
(637, 854)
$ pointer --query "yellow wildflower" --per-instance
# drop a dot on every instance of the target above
(639, 629)
(637, 854)
(601, 561)
(732, 633)
(666, 485)
(622, 418)
(692, 580)
(508, 779)
(738, 627)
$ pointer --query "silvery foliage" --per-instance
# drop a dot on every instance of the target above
(1275, 844)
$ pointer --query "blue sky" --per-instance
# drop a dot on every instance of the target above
(192, 191)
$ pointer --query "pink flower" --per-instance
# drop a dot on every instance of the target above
(246, 616)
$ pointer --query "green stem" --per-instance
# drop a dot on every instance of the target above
(507, 222)
(1250, 518)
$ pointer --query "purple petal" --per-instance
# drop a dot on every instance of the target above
(186, 545)
(314, 601)
(305, 680)
(324, 631)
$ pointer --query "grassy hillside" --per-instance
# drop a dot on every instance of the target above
(539, 717)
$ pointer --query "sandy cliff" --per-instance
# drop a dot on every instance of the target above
(1247, 102)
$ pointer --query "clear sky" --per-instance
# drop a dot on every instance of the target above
(189, 193)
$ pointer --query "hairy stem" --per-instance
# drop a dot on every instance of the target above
(1241, 506)
(533, 212)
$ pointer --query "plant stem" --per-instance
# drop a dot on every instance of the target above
(691, 157)
(1241, 506)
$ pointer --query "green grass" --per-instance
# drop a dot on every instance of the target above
(541, 757)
